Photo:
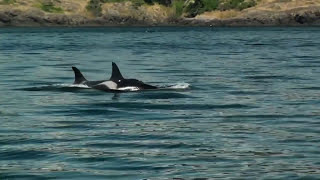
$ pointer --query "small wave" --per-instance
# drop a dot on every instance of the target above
(56, 87)
(8, 113)
(72, 85)
(178, 86)
(75, 87)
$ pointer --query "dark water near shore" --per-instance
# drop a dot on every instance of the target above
(252, 109)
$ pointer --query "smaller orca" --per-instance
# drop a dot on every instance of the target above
(116, 82)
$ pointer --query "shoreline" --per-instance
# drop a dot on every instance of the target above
(183, 23)
(177, 23)
(294, 17)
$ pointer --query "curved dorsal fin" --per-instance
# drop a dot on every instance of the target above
(78, 77)
(116, 75)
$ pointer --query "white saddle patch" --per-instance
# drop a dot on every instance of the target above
(129, 88)
(109, 84)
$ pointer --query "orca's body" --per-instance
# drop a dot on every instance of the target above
(115, 83)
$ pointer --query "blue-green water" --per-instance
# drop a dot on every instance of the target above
(252, 110)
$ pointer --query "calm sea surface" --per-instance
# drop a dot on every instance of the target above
(246, 106)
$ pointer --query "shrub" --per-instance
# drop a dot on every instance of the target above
(210, 5)
(237, 4)
(5, 2)
(247, 4)
(200, 6)
(138, 3)
(135, 2)
(94, 6)
(162, 2)
(178, 7)
(50, 7)
(230, 4)
(194, 9)
(106, 1)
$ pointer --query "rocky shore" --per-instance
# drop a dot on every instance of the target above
(125, 14)
(296, 17)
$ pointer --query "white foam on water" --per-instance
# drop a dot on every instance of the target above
(72, 85)
(179, 86)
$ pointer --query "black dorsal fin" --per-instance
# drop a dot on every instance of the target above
(78, 77)
(116, 75)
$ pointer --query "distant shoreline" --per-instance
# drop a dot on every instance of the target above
(296, 17)
(177, 23)
(66, 22)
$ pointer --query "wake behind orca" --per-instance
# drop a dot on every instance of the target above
(116, 83)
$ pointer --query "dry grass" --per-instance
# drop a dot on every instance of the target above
(263, 5)
(155, 12)
(69, 6)
(160, 12)
(219, 14)
(284, 5)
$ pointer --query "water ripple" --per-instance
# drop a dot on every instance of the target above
(249, 107)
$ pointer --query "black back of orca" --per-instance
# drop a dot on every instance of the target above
(80, 79)
(121, 82)
(134, 83)
(116, 77)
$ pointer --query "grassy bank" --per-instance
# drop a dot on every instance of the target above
(7, 2)
(159, 12)
(48, 6)
(187, 8)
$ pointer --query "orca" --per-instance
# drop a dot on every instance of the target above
(116, 82)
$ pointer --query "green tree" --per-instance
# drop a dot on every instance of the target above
(200, 6)
(94, 6)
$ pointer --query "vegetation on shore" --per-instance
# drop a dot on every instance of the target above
(201, 6)
(7, 2)
(159, 12)
(188, 8)
(48, 6)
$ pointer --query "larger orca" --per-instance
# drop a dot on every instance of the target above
(116, 82)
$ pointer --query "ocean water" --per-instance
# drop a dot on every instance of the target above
(244, 103)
